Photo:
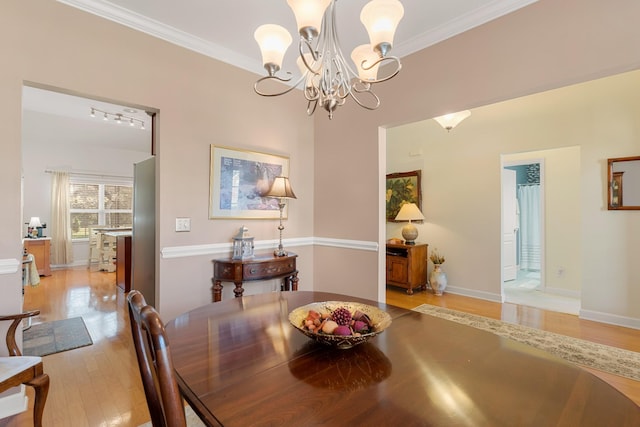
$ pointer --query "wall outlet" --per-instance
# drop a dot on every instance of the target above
(183, 224)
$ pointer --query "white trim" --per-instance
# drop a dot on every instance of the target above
(459, 25)
(611, 319)
(13, 404)
(224, 248)
(9, 266)
(157, 29)
(487, 296)
(563, 292)
(165, 32)
(346, 244)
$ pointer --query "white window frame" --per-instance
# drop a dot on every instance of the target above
(101, 181)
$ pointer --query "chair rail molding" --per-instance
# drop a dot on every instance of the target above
(225, 248)
(9, 266)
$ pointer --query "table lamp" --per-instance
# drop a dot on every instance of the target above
(34, 227)
(409, 212)
(281, 189)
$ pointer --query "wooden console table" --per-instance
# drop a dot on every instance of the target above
(260, 267)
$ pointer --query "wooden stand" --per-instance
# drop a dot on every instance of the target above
(407, 266)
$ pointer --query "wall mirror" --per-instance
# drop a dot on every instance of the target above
(623, 186)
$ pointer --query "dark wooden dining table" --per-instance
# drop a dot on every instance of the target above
(240, 363)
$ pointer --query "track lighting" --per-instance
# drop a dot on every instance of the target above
(117, 117)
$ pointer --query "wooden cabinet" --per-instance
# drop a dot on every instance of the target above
(407, 266)
(41, 251)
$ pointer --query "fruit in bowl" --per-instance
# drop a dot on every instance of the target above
(340, 324)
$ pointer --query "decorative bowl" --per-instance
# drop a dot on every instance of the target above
(380, 321)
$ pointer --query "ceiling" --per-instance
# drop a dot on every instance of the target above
(224, 30)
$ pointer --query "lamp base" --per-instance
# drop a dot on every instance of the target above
(280, 252)
(410, 234)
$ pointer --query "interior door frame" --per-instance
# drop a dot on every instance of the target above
(520, 162)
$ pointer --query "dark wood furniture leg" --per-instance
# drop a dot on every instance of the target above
(239, 290)
(217, 290)
(40, 385)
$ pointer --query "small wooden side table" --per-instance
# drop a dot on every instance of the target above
(260, 267)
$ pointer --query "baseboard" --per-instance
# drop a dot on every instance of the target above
(562, 292)
(13, 404)
(611, 319)
(488, 296)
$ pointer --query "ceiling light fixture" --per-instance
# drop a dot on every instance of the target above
(449, 121)
(328, 78)
(117, 117)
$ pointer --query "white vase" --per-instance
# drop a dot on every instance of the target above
(438, 280)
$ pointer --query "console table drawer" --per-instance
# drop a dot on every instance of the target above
(268, 270)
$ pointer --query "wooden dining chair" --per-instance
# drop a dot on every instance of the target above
(17, 369)
(154, 360)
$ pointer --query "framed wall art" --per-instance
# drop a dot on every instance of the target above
(403, 187)
(238, 180)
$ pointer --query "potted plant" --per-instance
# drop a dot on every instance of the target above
(438, 278)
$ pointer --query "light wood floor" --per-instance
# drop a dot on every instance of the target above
(99, 385)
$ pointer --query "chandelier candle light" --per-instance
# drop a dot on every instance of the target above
(328, 77)
(409, 212)
(281, 189)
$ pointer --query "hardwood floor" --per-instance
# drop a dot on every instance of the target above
(99, 385)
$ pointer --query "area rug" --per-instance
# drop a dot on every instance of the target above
(54, 337)
(592, 355)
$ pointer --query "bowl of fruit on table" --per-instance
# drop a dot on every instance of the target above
(339, 324)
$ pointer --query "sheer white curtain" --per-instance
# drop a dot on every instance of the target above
(529, 197)
(61, 247)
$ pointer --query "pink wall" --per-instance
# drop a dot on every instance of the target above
(545, 45)
(201, 101)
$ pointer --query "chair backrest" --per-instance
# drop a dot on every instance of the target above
(156, 367)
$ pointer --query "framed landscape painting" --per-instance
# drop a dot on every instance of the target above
(402, 187)
(239, 179)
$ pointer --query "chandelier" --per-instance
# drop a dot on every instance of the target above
(328, 78)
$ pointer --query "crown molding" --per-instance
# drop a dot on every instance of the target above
(183, 39)
(165, 32)
(459, 25)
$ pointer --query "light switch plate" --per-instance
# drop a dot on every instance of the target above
(183, 224)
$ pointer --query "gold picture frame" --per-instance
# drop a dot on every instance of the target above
(238, 180)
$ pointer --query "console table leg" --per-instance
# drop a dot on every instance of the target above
(238, 290)
(216, 290)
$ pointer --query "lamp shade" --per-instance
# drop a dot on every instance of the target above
(281, 188)
(273, 41)
(449, 121)
(309, 15)
(381, 18)
(409, 212)
(363, 55)
(34, 222)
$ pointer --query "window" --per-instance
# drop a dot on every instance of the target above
(93, 202)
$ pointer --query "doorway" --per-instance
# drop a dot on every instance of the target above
(523, 224)
(524, 279)
(99, 140)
